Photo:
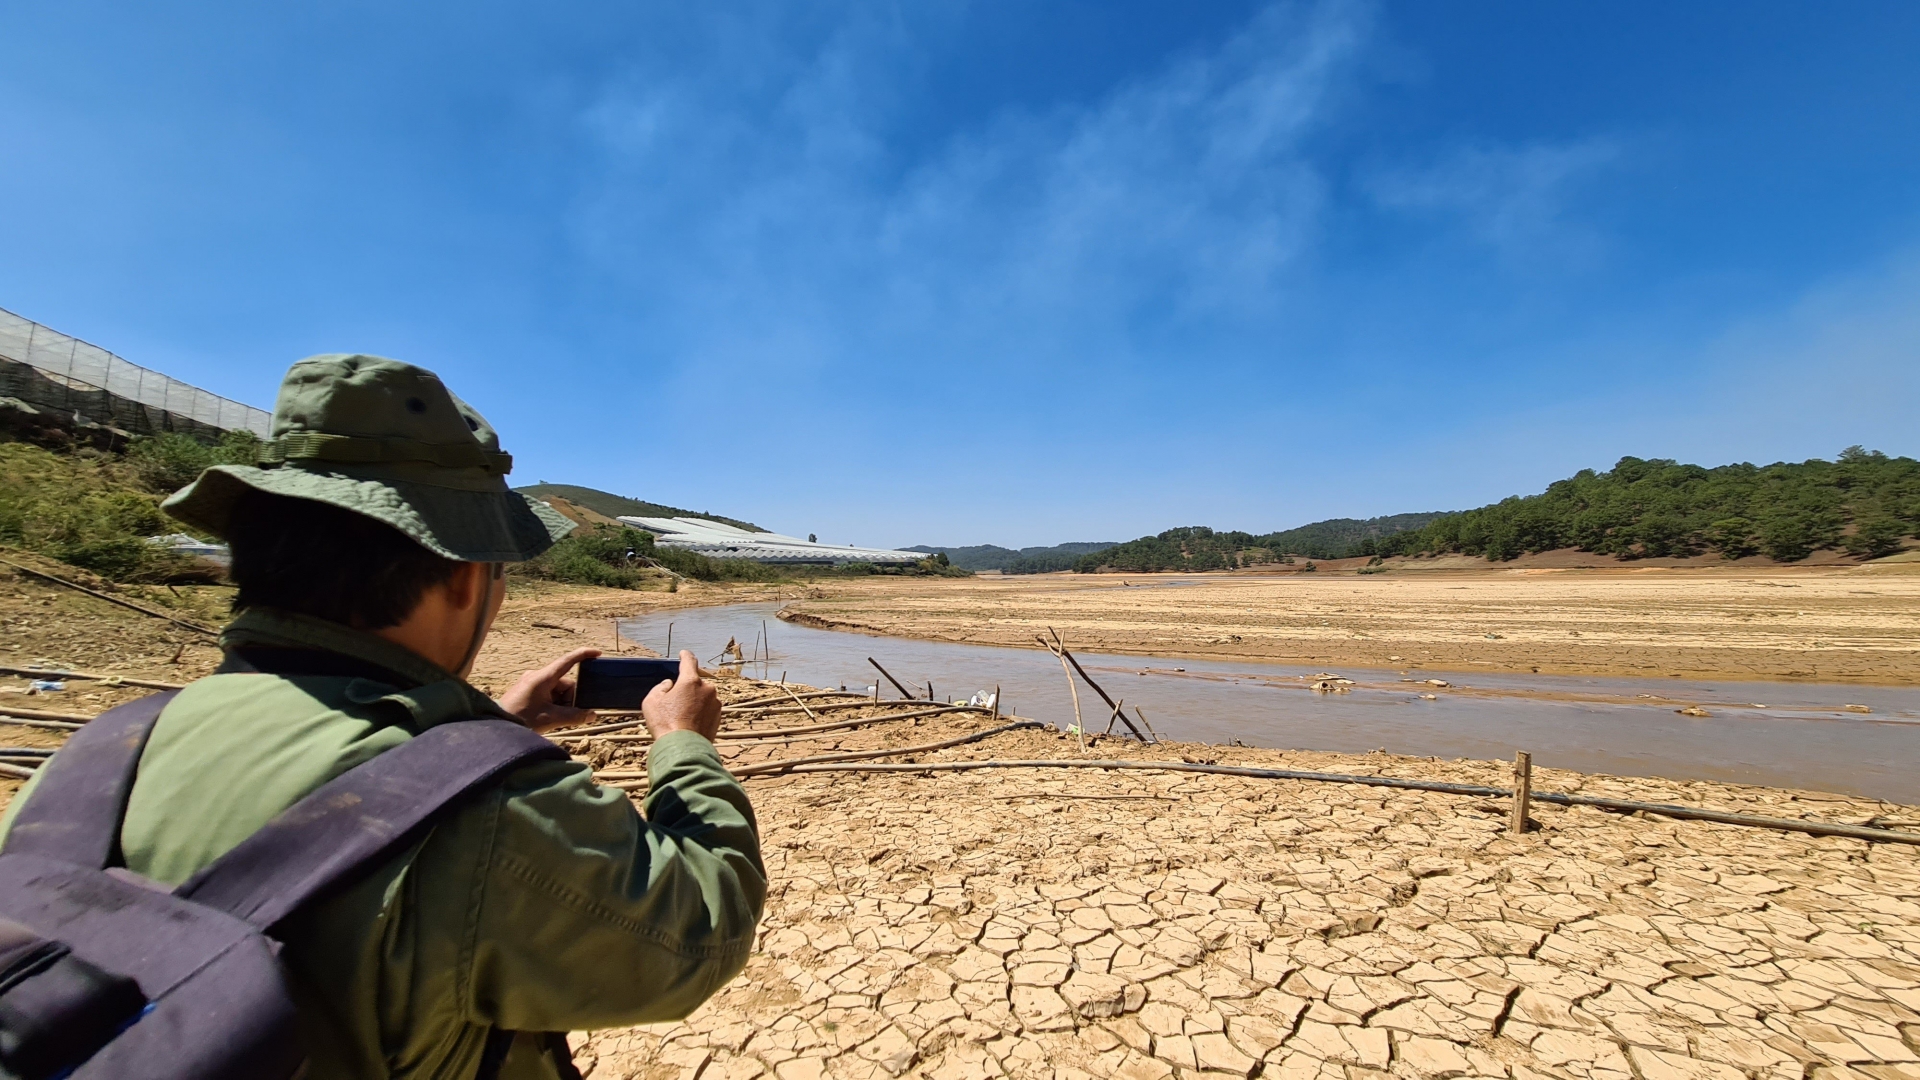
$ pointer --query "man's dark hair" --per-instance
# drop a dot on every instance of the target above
(319, 560)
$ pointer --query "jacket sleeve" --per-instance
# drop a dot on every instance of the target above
(588, 916)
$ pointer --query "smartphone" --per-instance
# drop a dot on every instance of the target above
(620, 682)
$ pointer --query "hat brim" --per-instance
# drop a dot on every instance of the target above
(466, 525)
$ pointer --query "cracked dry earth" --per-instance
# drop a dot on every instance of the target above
(1141, 926)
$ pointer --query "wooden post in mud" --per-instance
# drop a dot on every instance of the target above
(1143, 720)
(669, 640)
(1079, 729)
(904, 692)
(1522, 791)
(1068, 657)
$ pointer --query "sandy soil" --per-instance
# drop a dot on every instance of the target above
(1827, 624)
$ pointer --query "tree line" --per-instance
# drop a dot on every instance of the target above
(1865, 503)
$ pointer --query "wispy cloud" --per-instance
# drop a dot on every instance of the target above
(1514, 199)
(1177, 197)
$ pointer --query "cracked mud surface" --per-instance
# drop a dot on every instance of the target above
(1145, 925)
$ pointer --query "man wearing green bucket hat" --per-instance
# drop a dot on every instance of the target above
(367, 546)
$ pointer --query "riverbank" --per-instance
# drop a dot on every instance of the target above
(1138, 925)
(1825, 624)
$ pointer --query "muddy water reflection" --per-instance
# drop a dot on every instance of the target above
(1803, 737)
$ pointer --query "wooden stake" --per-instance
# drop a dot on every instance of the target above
(1143, 720)
(996, 701)
(1079, 729)
(797, 701)
(1522, 791)
(904, 692)
(1111, 704)
(669, 641)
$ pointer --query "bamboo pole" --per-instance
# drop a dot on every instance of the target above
(130, 605)
(1143, 720)
(52, 725)
(762, 768)
(42, 673)
(43, 714)
(755, 733)
(802, 704)
(743, 706)
(1111, 704)
(1869, 833)
(1522, 791)
(896, 682)
(1079, 729)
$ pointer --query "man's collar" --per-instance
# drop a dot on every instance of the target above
(261, 627)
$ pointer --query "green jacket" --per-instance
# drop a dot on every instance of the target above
(547, 904)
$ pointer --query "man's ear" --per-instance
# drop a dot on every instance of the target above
(463, 587)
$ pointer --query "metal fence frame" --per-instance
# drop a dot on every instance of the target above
(48, 369)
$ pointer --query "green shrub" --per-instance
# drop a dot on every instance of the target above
(168, 462)
(90, 510)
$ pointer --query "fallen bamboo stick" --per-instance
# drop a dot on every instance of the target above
(42, 673)
(890, 678)
(802, 704)
(43, 714)
(16, 772)
(805, 729)
(763, 768)
(735, 706)
(26, 751)
(1623, 806)
(54, 725)
(130, 605)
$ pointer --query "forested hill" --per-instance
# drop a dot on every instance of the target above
(602, 502)
(1864, 503)
(1026, 560)
(1200, 548)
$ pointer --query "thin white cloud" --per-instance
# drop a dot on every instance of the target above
(1179, 196)
(1512, 198)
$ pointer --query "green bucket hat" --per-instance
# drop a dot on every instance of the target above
(390, 441)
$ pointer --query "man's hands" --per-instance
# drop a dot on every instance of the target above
(688, 703)
(543, 698)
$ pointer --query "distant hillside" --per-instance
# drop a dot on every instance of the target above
(618, 505)
(1341, 538)
(1866, 504)
(1027, 560)
(1200, 548)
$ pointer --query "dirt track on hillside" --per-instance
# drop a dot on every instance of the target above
(1827, 624)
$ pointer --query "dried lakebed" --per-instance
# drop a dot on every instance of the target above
(1144, 926)
(1793, 735)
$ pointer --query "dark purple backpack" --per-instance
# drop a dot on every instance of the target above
(104, 974)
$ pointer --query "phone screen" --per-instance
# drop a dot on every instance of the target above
(621, 682)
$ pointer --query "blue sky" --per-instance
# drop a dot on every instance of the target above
(1005, 272)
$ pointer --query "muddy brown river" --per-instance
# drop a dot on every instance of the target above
(1795, 735)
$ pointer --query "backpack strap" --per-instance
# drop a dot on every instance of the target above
(75, 811)
(353, 821)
